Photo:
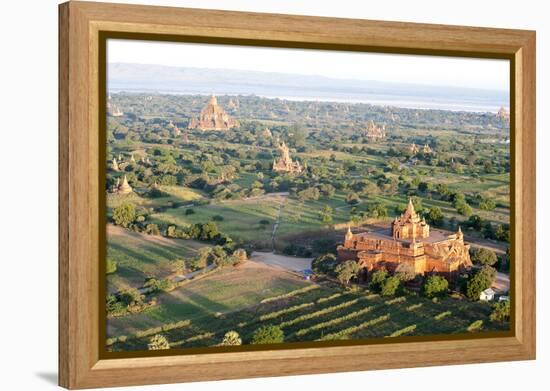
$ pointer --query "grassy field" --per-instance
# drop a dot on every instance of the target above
(203, 300)
(243, 299)
(139, 256)
(241, 218)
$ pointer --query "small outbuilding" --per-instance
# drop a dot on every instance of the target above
(487, 295)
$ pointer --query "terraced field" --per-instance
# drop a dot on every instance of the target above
(313, 313)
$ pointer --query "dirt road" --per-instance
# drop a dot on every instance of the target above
(281, 261)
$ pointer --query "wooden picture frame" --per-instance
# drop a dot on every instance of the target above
(81, 25)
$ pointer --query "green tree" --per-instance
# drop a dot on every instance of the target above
(390, 286)
(487, 204)
(503, 232)
(311, 193)
(435, 216)
(353, 198)
(435, 286)
(501, 311)
(231, 338)
(124, 214)
(155, 285)
(480, 281)
(158, 342)
(377, 279)
(325, 215)
(208, 231)
(268, 334)
(484, 256)
(463, 208)
(324, 263)
(327, 189)
(346, 271)
(131, 297)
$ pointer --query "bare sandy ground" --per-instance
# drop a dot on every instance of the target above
(281, 261)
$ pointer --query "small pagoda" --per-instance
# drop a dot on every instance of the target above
(375, 133)
(124, 187)
(285, 163)
(427, 149)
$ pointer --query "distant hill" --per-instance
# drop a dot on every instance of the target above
(166, 79)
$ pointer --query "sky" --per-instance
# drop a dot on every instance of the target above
(429, 70)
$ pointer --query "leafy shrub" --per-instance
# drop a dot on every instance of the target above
(110, 266)
(390, 286)
(124, 214)
(435, 286)
(231, 338)
(324, 263)
(501, 311)
(158, 342)
(267, 335)
(475, 326)
(377, 279)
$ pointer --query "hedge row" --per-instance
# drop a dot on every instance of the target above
(335, 321)
(191, 339)
(442, 315)
(287, 310)
(315, 314)
(150, 331)
(331, 297)
(396, 300)
(414, 307)
(343, 334)
(402, 331)
(475, 326)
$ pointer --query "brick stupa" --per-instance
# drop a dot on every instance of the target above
(213, 117)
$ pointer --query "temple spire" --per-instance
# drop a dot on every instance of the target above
(410, 208)
(349, 234)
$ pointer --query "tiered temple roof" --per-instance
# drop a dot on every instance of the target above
(410, 225)
(409, 241)
(213, 117)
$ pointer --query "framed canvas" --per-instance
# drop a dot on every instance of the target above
(246, 195)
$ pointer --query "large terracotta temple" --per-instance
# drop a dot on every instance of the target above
(212, 117)
(409, 240)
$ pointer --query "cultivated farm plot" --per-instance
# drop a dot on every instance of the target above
(304, 311)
